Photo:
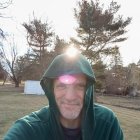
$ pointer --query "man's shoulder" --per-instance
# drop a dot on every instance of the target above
(104, 113)
(32, 126)
(41, 115)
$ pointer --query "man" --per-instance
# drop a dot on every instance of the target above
(71, 114)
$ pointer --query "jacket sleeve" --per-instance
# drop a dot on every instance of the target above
(19, 131)
(116, 132)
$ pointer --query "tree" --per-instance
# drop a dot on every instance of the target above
(21, 65)
(133, 78)
(4, 5)
(39, 36)
(99, 69)
(60, 46)
(28, 66)
(97, 28)
(8, 61)
(33, 69)
(116, 75)
(3, 74)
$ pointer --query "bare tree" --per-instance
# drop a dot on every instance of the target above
(8, 61)
(4, 5)
(133, 79)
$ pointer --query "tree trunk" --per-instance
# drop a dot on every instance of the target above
(4, 79)
(16, 83)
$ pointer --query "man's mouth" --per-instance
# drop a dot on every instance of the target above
(68, 105)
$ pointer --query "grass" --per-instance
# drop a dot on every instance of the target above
(128, 111)
(14, 104)
(129, 120)
(125, 102)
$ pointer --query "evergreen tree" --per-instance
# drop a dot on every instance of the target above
(99, 28)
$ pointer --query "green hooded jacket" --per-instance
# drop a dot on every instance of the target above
(98, 122)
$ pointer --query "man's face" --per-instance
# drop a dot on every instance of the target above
(69, 93)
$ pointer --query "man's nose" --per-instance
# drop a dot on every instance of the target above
(70, 93)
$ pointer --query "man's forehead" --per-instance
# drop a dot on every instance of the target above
(70, 79)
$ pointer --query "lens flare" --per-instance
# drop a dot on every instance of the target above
(67, 79)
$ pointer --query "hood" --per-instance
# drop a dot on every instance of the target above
(61, 65)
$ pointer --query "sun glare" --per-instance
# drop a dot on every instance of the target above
(71, 52)
(67, 79)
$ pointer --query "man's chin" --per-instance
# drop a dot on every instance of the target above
(70, 115)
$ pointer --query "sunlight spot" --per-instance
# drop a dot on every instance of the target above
(72, 51)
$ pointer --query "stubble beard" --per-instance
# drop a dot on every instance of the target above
(70, 109)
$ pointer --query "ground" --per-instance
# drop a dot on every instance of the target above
(14, 104)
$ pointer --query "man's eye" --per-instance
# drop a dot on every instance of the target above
(61, 86)
(81, 87)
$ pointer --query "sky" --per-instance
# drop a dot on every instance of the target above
(60, 15)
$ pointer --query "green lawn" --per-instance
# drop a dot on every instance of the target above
(14, 105)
